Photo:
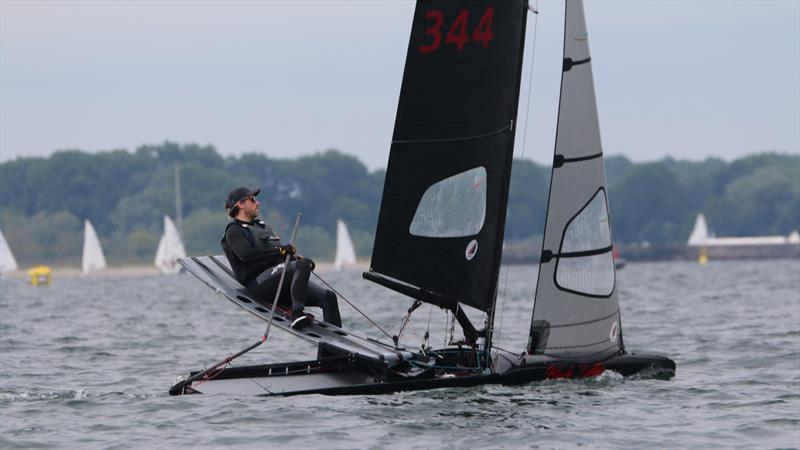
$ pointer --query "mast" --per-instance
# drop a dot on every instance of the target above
(178, 209)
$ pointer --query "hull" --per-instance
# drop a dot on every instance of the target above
(346, 376)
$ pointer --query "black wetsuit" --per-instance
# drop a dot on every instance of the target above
(254, 252)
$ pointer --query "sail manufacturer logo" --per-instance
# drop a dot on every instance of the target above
(472, 249)
(276, 269)
(613, 333)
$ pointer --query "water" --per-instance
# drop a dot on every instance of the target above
(87, 363)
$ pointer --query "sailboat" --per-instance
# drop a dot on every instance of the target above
(699, 234)
(701, 237)
(170, 249)
(93, 258)
(7, 261)
(345, 251)
(440, 227)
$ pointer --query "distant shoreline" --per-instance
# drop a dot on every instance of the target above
(136, 270)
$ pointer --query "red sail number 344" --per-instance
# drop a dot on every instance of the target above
(458, 33)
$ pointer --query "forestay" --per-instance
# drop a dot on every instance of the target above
(443, 210)
(576, 313)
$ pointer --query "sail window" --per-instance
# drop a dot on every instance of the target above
(453, 207)
(588, 231)
(592, 275)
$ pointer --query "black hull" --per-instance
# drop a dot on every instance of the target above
(340, 376)
(629, 365)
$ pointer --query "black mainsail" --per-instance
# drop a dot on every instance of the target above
(440, 228)
(576, 312)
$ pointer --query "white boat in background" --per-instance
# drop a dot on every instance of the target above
(699, 234)
(170, 248)
(345, 251)
(7, 261)
(93, 258)
(702, 237)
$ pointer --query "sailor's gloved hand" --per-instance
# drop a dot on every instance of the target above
(287, 249)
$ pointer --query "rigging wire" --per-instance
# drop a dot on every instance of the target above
(452, 328)
(250, 378)
(425, 340)
(396, 337)
(535, 9)
(351, 304)
(530, 77)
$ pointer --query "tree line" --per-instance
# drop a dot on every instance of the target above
(43, 201)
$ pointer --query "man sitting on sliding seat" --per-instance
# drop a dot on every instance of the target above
(257, 259)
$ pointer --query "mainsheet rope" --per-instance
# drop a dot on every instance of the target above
(351, 304)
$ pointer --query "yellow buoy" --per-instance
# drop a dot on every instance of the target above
(703, 257)
(40, 275)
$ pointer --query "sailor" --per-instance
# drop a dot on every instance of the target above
(257, 258)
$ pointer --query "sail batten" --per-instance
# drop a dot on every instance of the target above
(576, 313)
(508, 127)
(440, 226)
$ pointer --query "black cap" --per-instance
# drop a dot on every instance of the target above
(239, 193)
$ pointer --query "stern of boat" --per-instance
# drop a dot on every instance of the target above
(528, 368)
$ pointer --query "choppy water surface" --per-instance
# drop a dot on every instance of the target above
(87, 363)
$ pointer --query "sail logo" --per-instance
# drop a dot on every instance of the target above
(472, 249)
(276, 269)
(613, 333)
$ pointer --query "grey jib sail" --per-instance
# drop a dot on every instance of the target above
(444, 201)
(576, 312)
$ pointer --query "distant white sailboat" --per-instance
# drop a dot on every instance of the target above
(170, 248)
(345, 251)
(93, 258)
(701, 236)
(7, 261)
(699, 233)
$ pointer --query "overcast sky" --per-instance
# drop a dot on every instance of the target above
(686, 79)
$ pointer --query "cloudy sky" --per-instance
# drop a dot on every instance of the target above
(686, 79)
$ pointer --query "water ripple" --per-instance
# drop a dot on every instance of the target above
(80, 368)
